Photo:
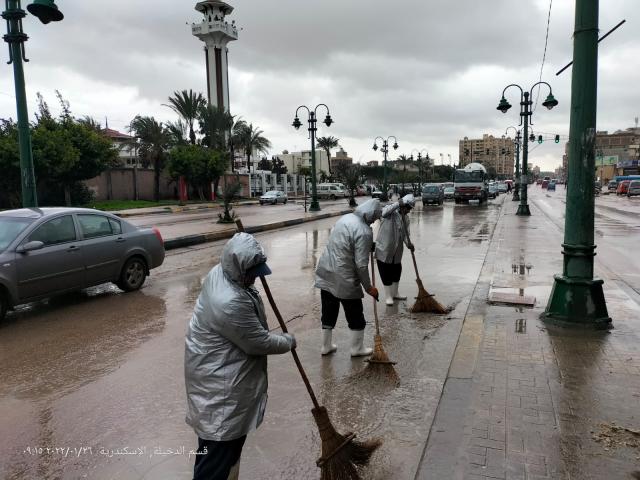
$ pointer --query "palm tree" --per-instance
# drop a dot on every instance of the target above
(252, 139)
(215, 125)
(404, 161)
(187, 105)
(154, 140)
(327, 143)
(178, 132)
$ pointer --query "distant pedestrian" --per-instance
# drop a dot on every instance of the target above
(508, 187)
(394, 227)
(225, 364)
(342, 274)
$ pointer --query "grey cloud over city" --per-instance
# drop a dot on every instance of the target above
(428, 72)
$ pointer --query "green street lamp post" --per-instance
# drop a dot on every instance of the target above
(516, 143)
(525, 113)
(46, 11)
(577, 298)
(419, 162)
(385, 151)
(313, 120)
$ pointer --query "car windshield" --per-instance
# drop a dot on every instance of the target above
(10, 228)
(431, 189)
(271, 194)
(462, 176)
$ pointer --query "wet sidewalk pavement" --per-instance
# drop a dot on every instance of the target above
(527, 400)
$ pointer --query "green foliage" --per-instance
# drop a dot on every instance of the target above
(215, 126)
(351, 176)
(199, 165)
(65, 152)
(230, 192)
(327, 143)
(187, 105)
(154, 140)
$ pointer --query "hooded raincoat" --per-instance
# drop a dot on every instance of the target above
(343, 267)
(391, 235)
(226, 347)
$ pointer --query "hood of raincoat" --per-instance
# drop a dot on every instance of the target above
(226, 345)
(343, 267)
(370, 210)
(240, 254)
(409, 200)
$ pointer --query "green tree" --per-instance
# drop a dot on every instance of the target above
(351, 176)
(187, 105)
(154, 140)
(216, 125)
(10, 196)
(252, 139)
(199, 165)
(327, 143)
(230, 192)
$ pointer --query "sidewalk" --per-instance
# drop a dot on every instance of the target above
(525, 400)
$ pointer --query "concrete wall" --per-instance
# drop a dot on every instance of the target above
(118, 184)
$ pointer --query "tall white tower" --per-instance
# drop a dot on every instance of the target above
(216, 33)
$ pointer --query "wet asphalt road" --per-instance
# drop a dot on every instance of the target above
(100, 373)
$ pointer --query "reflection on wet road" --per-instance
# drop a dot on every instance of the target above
(104, 369)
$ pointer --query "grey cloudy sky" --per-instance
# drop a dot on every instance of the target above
(429, 72)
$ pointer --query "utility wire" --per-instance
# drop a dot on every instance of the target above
(544, 55)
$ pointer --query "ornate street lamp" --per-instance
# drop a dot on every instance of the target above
(313, 119)
(525, 113)
(516, 143)
(46, 11)
(419, 162)
(385, 151)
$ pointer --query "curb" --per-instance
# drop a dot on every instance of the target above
(190, 240)
(171, 209)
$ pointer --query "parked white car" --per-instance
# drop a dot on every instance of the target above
(331, 191)
(273, 197)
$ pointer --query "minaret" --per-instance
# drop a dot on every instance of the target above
(216, 33)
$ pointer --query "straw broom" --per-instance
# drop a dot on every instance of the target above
(340, 453)
(379, 356)
(425, 302)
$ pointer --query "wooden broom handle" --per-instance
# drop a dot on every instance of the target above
(375, 302)
(283, 326)
(413, 255)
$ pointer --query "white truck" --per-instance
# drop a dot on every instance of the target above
(470, 183)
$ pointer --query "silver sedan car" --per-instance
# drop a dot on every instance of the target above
(48, 251)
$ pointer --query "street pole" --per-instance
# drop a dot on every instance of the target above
(577, 298)
(516, 192)
(523, 208)
(385, 151)
(16, 38)
(312, 120)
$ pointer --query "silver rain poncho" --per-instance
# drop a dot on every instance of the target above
(225, 363)
(391, 235)
(343, 267)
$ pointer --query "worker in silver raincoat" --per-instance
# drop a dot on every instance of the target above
(343, 272)
(225, 364)
(393, 233)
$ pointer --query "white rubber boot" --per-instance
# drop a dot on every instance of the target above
(327, 346)
(388, 294)
(357, 344)
(396, 295)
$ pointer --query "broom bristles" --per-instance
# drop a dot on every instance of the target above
(340, 453)
(426, 302)
(379, 355)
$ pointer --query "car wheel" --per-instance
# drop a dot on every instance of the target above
(285, 201)
(261, 203)
(133, 274)
(4, 303)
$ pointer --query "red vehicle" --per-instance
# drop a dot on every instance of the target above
(623, 187)
(545, 183)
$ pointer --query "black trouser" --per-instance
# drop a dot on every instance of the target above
(219, 459)
(389, 272)
(352, 310)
